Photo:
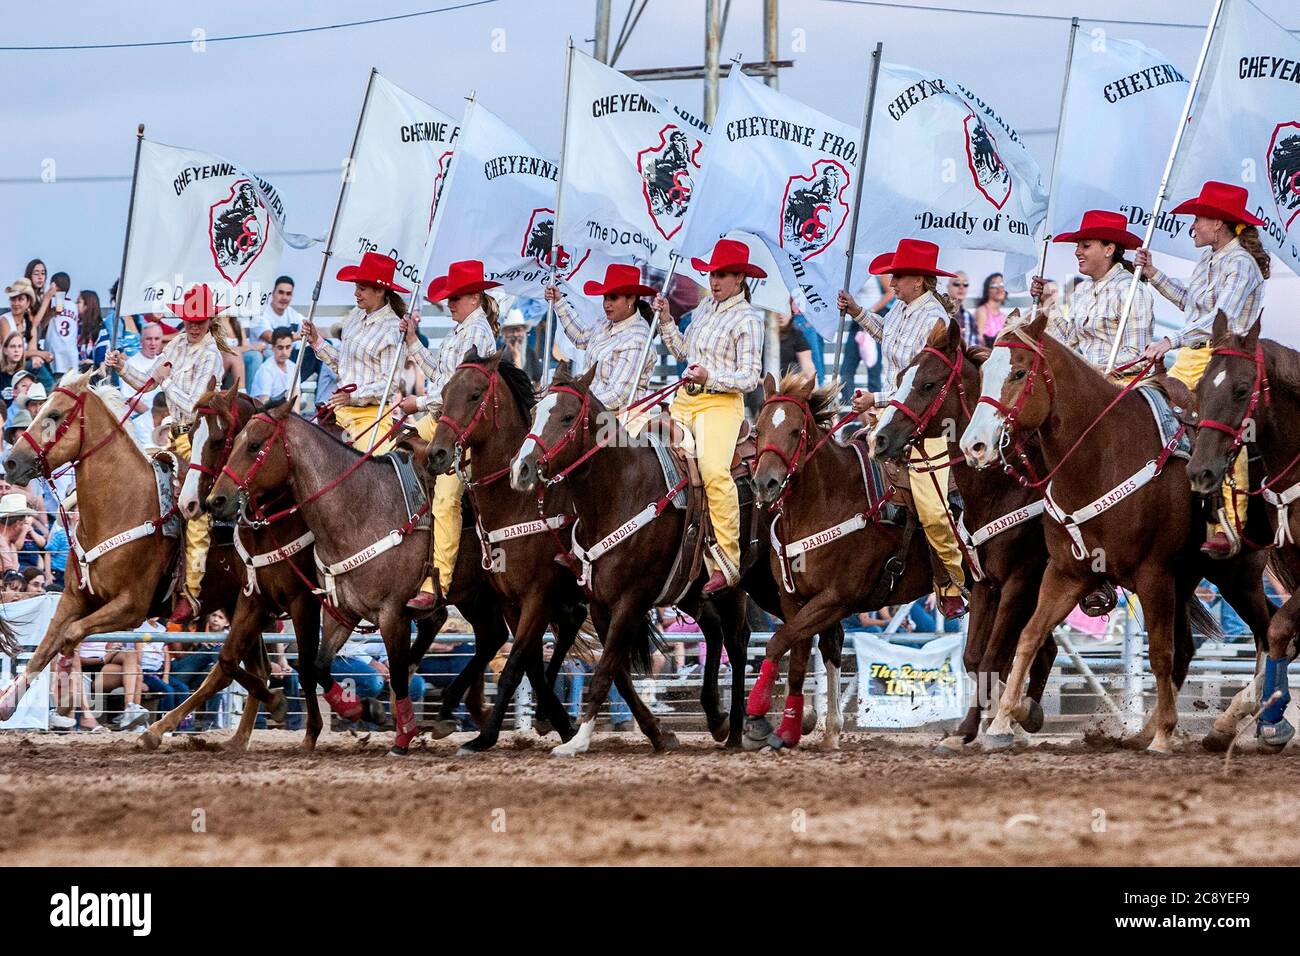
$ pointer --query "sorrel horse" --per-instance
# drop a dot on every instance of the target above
(1006, 552)
(487, 411)
(1126, 497)
(1249, 397)
(371, 558)
(617, 483)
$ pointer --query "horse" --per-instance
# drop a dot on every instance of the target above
(1250, 395)
(1007, 553)
(617, 486)
(1134, 524)
(486, 412)
(371, 559)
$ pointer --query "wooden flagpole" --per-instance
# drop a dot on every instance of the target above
(119, 319)
(555, 232)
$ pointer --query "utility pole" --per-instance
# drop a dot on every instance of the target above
(770, 42)
(602, 30)
(712, 45)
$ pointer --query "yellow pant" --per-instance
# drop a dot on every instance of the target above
(447, 492)
(715, 421)
(932, 509)
(1188, 368)
(355, 419)
(198, 534)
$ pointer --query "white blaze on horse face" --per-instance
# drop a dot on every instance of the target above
(544, 409)
(778, 417)
(900, 395)
(1218, 379)
(986, 422)
(190, 503)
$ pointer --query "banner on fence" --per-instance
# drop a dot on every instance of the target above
(29, 620)
(901, 686)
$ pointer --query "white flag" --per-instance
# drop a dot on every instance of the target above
(1245, 126)
(947, 167)
(499, 206)
(200, 218)
(398, 173)
(1119, 91)
(785, 173)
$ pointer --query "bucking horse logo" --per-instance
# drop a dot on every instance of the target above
(539, 237)
(992, 178)
(667, 178)
(1284, 171)
(237, 230)
(440, 180)
(814, 209)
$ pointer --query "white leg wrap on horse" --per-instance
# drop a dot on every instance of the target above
(579, 743)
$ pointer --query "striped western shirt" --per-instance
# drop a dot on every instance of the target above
(902, 333)
(1229, 280)
(725, 338)
(613, 348)
(194, 367)
(365, 354)
(474, 332)
(1090, 324)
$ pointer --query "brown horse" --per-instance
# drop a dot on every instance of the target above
(1127, 498)
(127, 581)
(1250, 396)
(1009, 554)
(487, 411)
(810, 482)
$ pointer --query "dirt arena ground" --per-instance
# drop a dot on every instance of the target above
(880, 800)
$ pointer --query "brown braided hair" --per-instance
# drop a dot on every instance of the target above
(931, 285)
(491, 310)
(1248, 236)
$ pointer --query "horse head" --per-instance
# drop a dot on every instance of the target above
(790, 423)
(73, 419)
(470, 402)
(1228, 396)
(930, 397)
(220, 416)
(1016, 391)
(562, 431)
(258, 462)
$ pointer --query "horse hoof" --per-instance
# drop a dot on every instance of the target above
(995, 742)
(1216, 741)
(757, 731)
(809, 720)
(668, 742)
(149, 740)
(442, 728)
(278, 709)
(1273, 737)
(396, 751)
(233, 746)
(476, 746)
(722, 731)
(1136, 742)
(1160, 751)
(542, 726)
(950, 746)
(1033, 721)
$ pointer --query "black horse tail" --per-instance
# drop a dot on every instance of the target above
(1279, 567)
(1203, 623)
(642, 644)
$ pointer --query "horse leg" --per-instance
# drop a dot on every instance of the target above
(490, 635)
(566, 623)
(71, 606)
(737, 643)
(831, 645)
(1273, 729)
(661, 740)
(529, 628)
(1160, 603)
(1057, 595)
(977, 662)
(396, 630)
(710, 621)
(341, 696)
(257, 663)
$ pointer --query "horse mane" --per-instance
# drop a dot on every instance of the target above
(823, 400)
(105, 392)
(1283, 365)
(517, 381)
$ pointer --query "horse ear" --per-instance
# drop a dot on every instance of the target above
(588, 376)
(938, 335)
(231, 394)
(282, 410)
(769, 385)
(472, 355)
(1252, 336)
(564, 371)
(1038, 327)
(1219, 331)
(954, 335)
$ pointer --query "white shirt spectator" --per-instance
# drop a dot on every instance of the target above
(271, 380)
(154, 653)
(268, 321)
(61, 334)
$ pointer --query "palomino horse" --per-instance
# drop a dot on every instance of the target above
(371, 559)
(1250, 395)
(810, 482)
(1005, 551)
(618, 488)
(1128, 501)
(487, 410)
(129, 558)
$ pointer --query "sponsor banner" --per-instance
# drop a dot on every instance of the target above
(201, 218)
(29, 619)
(1245, 127)
(901, 686)
(786, 174)
(1120, 91)
(398, 173)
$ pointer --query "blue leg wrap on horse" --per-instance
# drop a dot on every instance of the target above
(1274, 680)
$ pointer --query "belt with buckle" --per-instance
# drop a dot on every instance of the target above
(179, 430)
(693, 388)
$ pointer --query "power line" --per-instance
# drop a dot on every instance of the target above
(244, 36)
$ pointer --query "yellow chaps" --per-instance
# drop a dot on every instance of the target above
(932, 509)
(1188, 368)
(715, 422)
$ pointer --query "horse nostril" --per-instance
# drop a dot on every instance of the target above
(218, 502)
(977, 448)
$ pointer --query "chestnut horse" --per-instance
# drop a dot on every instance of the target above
(379, 555)
(487, 411)
(1250, 396)
(1140, 527)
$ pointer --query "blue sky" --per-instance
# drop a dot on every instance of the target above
(286, 106)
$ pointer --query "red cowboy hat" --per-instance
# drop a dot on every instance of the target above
(913, 257)
(1102, 225)
(729, 256)
(619, 280)
(461, 278)
(198, 305)
(375, 269)
(1219, 201)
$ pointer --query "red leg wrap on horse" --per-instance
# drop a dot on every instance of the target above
(791, 728)
(347, 707)
(760, 698)
(404, 719)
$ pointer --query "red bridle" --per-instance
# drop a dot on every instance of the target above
(228, 442)
(461, 433)
(1259, 390)
(794, 460)
(77, 411)
(242, 483)
(571, 433)
(1010, 413)
(922, 421)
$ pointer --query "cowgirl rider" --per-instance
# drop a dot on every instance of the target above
(615, 344)
(902, 334)
(475, 326)
(190, 365)
(1229, 278)
(723, 349)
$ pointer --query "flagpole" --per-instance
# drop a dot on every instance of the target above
(388, 389)
(1183, 120)
(867, 110)
(119, 319)
(650, 334)
(555, 232)
(329, 242)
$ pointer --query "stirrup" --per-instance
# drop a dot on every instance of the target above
(1100, 601)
